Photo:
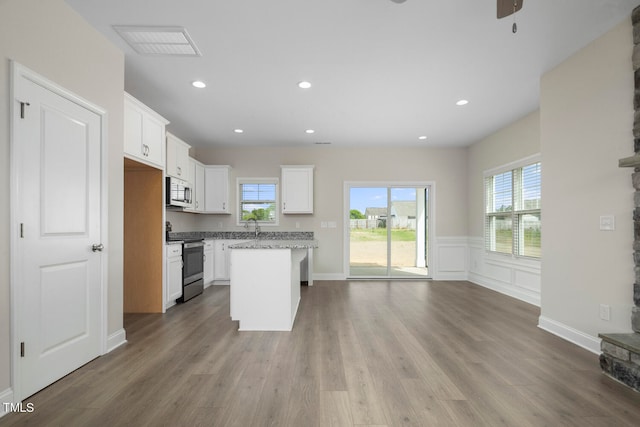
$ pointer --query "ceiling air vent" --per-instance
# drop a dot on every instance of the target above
(158, 41)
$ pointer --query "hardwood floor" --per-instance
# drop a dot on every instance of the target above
(361, 353)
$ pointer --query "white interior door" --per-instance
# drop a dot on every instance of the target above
(58, 169)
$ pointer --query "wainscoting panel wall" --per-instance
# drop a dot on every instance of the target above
(516, 277)
(449, 258)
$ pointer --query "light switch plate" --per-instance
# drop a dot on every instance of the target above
(607, 223)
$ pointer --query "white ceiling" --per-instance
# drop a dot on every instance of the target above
(383, 73)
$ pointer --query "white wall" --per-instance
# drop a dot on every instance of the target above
(586, 116)
(516, 277)
(334, 166)
(52, 40)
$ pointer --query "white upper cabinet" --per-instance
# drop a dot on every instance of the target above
(144, 133)
(216, 188)
(177, 158)
(297, 189)
(198, 191)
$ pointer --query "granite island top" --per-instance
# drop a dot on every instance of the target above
(242, 235)
(275, 244)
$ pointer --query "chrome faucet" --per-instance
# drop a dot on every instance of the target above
(256, 224)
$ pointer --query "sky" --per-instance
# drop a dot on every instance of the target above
(376, 197)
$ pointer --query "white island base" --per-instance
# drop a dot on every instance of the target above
(265, 288)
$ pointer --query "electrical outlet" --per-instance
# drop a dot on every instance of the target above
(332, 224)
(607, 223)
(605, 312)
(323, 224)
(297, 224)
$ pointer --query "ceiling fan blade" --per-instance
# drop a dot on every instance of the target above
(505, 7)
(398, 1)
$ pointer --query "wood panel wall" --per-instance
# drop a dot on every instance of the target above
(143, 230)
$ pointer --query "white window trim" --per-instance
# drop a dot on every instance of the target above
(246, 180)
(525, 161)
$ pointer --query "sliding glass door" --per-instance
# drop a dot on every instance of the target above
(388, 234)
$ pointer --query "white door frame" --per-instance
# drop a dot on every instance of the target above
(431, 216)
(19, 71)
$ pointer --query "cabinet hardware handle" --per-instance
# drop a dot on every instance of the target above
(22, 105)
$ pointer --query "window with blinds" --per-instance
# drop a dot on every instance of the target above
(513, 211)
(258, 200)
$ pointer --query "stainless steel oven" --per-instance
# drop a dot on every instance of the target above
(192, 269)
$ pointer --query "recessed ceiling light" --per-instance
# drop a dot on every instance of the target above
(304, 85)
(322, 143)
(238, 130)
(199, 84)
(423, 137)
(310, 131)
(462, 102)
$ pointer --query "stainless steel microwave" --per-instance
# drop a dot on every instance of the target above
(178, 192)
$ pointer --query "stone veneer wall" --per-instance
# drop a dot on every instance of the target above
(620, 356)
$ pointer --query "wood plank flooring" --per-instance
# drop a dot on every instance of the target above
(361, 353)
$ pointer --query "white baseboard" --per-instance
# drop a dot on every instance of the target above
(116, 339)
(447, 275)
(328, 276)
(220, 283)
(5, 397)
(570, 334)
(506, 289)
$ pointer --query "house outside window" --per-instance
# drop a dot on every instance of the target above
(513, 212)
(258, 199)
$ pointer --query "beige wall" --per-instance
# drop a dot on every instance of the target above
(52, 40)
(514, 142)
(586, 116)
(334, 166)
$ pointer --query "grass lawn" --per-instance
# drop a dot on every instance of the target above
(380, 234)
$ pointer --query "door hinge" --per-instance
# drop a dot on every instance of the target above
(22, 349)
(22, 230)
(22, 104)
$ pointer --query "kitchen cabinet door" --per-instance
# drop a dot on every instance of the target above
(198, 188)
(222, 258)
(144, 133)
(297, 189)
(209, 262)
(174, 274)
(177, 158)
(216, 187)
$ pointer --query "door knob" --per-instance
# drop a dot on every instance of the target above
(97, 247)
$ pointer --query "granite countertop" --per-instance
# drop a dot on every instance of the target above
(275, 244)
(243, 235)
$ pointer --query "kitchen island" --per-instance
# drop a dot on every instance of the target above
(265, 282)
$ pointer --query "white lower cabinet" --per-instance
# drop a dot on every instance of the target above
(174, 274)
(209, 262)
(222, 259)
